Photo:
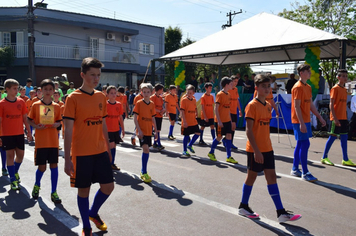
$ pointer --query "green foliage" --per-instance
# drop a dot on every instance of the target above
(334, 16)
(7, 56)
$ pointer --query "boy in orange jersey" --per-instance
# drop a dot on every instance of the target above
(207, 112)
(338, 117)
(171, 101)
(13, 115)
(23, 94)
(302, 104)
(45, 116)
(122, 98)
(223, 120)
(38, 95)
(188, 108)
(86, 144)
(29, 103)
(158, 101)
(114, 122)
(144, 117)
(137, 98)
(56, 99)
(259, 150)
(269, 99)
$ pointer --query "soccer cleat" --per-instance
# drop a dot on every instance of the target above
(99, 223)
(326, 161)
(231, 160)
(15, 185)
(309, 177)
(146, 178)
(5, 172)
(114, 167)
(234, 147)
(60, 148)
(348, 163)
(86, 232)
(296, 173)
(245, 210)
(55, 198)
(160, 148)
(212, 156)
(284, 216)
(171, 137)
(35, 191)
(133, 141)
(201, 142)
(191, 149)
(154, 145)
(17, 176)
(185, 154)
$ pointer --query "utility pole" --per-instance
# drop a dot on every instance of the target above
(31, 42)
(229, 23)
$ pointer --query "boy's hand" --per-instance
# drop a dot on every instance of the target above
(29, 137)
(337, 122)
(206, 119)
(68, 168)
(259, 157)
(0, 142)
(156, 136)
(303, 128)
(220, 124)
(323, 123)
(40, 126)
(240, 114)
(140, 134)
(56, 125)
(123, 133)
(277, 113)
(185, 124)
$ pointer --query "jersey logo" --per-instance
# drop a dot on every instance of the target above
(46, 110)
(100, 106)
(19, 107)
(96, 120)
(264, 122)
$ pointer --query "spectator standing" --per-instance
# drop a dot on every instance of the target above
(290, 83)
(28, 87)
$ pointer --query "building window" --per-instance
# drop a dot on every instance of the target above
(6, 38)
(147, 49)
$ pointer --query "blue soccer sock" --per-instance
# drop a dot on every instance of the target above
(54, 179)
(83, 206)
(39, 175)
(185, 142)
(158, 139)
(99, 200)
(3, 158)
(212, 131)
(304, 155)
(246, 193)
(232, 137)
(192, 141)
(328, 144)
(201, 135)
(296, 159)
(113, 154)
(214, 145)
(144, 162)
(228, 147)
(343, 140)
(11, 170)
(171, 130)
(31, 128)
(120, 132)
(274, 192)
(17, 166)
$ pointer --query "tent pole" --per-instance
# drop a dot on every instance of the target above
(153, 72)
(342, 54)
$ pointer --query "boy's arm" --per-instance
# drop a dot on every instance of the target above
(121, 123)
(273, 104)
(106, 137)
(29, 135)
(204, 113)
(220, 124)
(316, 113)
(252, 140)
(185, 125)
(68, 165)
(332, 110)
(140, 134)
(239, 107)
(155, 127)
(298, 112)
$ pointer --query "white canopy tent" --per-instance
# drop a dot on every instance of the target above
(263, 38)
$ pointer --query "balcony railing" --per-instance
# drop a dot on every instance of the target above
(76, 53)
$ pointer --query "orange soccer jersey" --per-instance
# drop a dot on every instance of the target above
(261, 115)
(24, 98)
(158, 101)
(48, 137)
(234, 96)
(87, 111)
(339, 94)
(11, 113)
(268, 98)
(29, 103)
(115, 111)
(223, 99)
(208, 102)
(137, 98)
(302, 92)
(189, 107)
(123, 100)
(35, 99)
(172, 101)
(145, 112)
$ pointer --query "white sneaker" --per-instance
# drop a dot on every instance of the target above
(247, 212)
(288, 216)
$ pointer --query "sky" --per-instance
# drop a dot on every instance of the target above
(196, 18)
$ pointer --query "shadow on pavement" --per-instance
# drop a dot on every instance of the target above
(124, 179)
(346, 191)
(53, 226)
(170, 192)
(294, 230)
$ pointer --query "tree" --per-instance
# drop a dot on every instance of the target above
(7, 56)
(172, 42)
(334, 16)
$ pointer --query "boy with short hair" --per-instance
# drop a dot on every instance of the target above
(339, 121)
(45, 116)
(144, 117)
(259, 150)
(302, 104)
(158, 101)
(188, 108)
(23, 94)
(207, 112)
(71, 88)
(137, 98)
(13, 115)
(114, 122)
(122, 98)
(86, 144)
(172, 105)
(39, 95)
(223, 120)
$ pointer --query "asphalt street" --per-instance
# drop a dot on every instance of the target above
(190, 196)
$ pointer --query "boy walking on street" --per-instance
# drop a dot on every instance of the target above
(172, 105)
(158, 101)
(207, 112)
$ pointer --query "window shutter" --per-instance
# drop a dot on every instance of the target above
(140, 48)
(152, 49)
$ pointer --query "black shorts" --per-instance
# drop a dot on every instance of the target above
(337, 130)
(12, 142)
(226, 129)
(206, 124)
(190, 130)
(172, 117)
(158, 123)
(59, 127)
(91, 169)
(233, 118)
(146, 140)
(46, 155)
(268, 161)
(114, 137)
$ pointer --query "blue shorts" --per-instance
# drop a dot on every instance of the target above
(302, 136)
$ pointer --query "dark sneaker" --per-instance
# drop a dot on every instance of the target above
(245, 210)
(5, 172)
(114, 167)
(284, 216)
(55, 198)
(201, 142)
(87, 232)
